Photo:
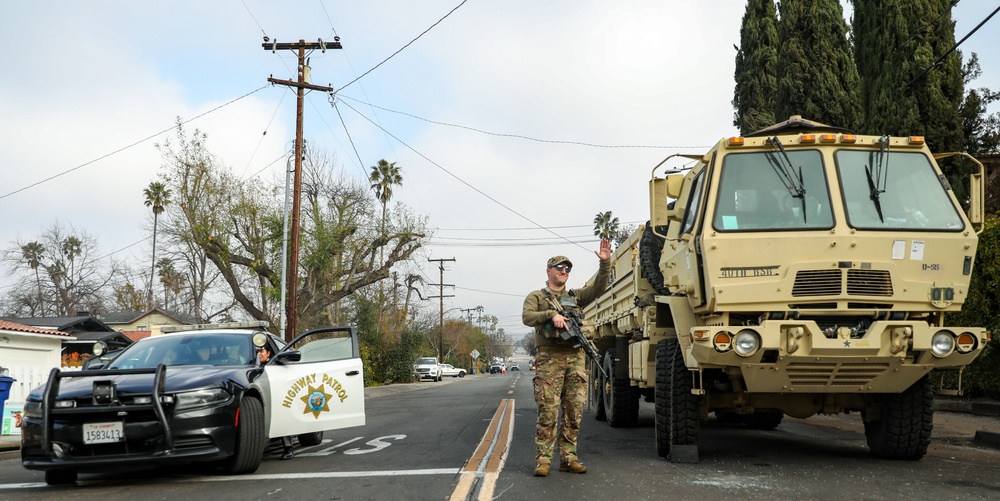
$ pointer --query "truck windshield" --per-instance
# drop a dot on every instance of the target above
(753, 196)
(426, 361)
(913, 198)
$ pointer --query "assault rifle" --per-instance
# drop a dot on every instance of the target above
(574, 333)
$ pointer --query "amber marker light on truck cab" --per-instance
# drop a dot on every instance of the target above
(735, 141)
(965, 342)
(916, 140)
(723, 341)
(807, 138)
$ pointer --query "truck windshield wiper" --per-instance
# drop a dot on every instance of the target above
(786, 173)
(877, 183)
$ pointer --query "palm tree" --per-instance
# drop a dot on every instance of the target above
(157, 197)
(32, 252)
(605, 225)
(384, 176)
(71, 248)
(170, 279)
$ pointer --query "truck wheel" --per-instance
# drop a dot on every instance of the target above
(249, 439)
(311, 439)
(904, 430)
(60, 477)
(650, 248)
(763, 420)
(683, 415)
(596, 385)
(621, 399)
(661, 399)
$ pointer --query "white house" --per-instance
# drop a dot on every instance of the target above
(29, 354)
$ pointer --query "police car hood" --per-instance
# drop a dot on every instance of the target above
(178, 379)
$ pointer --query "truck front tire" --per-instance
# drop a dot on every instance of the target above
(904, 429)
(676, 407)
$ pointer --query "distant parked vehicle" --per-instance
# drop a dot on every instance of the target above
(427, 368)
(496, 368)
(514, 367)
(449, 370)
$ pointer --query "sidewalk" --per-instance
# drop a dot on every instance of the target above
(982, 438)
(10, 447)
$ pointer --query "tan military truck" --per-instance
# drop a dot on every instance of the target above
(799, 270)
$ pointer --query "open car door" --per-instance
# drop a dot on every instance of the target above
(316, 383)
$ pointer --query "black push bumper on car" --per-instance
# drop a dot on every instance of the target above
(150, 434)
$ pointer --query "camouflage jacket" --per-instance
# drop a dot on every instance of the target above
(538, 311)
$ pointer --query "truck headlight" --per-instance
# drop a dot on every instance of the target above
(942, 343)
(746, 343)
(200, 398)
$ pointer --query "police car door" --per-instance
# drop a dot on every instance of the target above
(322, 390)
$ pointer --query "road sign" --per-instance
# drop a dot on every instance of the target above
(475, 354)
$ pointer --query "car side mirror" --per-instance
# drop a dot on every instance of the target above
(287, 356)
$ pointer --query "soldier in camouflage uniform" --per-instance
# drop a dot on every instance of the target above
(560, 376)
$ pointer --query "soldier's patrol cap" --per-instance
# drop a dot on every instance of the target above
(558, 260)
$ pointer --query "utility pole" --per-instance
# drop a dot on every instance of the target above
(441, 295)
(301, 84)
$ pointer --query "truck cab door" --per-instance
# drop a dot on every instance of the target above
(316, 383)
(681, 257)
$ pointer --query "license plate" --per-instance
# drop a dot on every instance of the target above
(103, 433)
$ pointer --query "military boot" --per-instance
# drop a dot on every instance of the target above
(542, 470)
(572, 466)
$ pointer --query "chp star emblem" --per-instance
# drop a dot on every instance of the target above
(316, 400)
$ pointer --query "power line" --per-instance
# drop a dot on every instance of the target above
(119, 150)
(446, 171)
(519, 136)
(348, 84)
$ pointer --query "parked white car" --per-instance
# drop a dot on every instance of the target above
(449, 370)
(427, 368)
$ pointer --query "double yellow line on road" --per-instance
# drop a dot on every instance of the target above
(478, 478)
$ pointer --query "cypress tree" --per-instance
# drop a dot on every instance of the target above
(816, 74)
(904, 92)
(756, 82)
(883, 53)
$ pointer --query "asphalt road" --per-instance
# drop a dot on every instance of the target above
(473, 438)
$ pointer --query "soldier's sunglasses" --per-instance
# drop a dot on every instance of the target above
(563, 267)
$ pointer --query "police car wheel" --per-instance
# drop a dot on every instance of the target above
(249, 439)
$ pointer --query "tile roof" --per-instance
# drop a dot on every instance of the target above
(136, 335)
(16, 327)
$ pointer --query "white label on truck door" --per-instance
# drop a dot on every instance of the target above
(899, 249)
(917, 250)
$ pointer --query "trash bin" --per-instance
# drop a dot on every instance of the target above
(5, 384)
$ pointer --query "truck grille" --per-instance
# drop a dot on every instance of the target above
(817, 283)
(869, 283)
(830, 283)
(834, 374)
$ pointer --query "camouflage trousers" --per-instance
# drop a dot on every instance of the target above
(560, 384)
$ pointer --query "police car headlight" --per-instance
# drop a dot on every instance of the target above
(942, 343)
(201, 398)
(746, 343)
(32, 409)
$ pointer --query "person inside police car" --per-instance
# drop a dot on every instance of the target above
(560, 381)
(287, 451)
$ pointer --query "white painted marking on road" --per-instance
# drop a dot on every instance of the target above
(278, 476)
(330, 474)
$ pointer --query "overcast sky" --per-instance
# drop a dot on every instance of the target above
(86, 83)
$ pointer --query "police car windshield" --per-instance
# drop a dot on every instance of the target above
(187, 349)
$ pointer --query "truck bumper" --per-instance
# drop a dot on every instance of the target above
(796, 356)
